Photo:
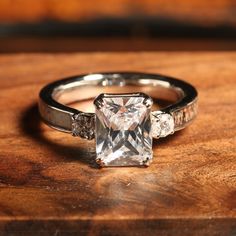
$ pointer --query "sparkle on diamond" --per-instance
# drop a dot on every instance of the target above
(123, 130)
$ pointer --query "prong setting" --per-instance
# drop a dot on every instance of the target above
(100, 162)
(98, 102)
(148, 102)
(147, 162)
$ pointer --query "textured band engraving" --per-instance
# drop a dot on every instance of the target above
(185, 115)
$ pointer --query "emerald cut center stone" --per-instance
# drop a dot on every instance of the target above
(123, 129)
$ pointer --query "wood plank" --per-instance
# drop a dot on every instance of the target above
(50, 184)
(201, 12)
(77, 44)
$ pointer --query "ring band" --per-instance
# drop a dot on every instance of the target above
(124, 123)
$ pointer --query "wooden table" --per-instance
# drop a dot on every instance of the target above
(49, 184)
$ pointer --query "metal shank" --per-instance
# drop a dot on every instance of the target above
(61, 117)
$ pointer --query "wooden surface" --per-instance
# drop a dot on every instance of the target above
(217, 12)
(49, 184)
(72, 44)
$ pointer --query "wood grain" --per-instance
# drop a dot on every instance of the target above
(76, 44)
(201, 12)
(49, 184)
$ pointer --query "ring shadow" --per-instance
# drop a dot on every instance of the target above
(30, 124)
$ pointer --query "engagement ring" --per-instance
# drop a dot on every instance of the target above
(126, 117)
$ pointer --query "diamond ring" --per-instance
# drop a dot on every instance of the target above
(125, 119)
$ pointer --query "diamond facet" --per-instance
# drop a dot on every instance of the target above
(162, 124)
(123, 129)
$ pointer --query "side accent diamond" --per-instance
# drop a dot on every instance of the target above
(83, 125)
(162, 124)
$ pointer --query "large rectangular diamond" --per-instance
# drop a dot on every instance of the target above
(123, 129)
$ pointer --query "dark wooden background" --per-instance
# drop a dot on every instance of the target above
(117, 25)
(198, 11)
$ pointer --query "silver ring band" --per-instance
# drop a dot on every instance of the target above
(61, 117)
(123, 124)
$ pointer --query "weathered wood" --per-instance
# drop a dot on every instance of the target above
(49, 183)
